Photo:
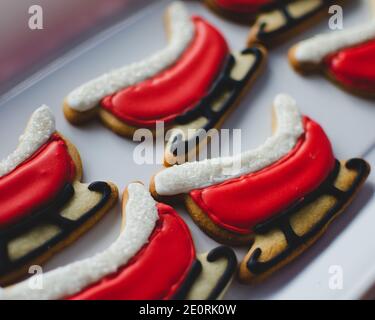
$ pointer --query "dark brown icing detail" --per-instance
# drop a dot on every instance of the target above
(282, 221)
(221, 252)
(192, 276)
(224, 83)
(50, 215)
(228, 254)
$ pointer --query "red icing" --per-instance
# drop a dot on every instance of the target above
(177, 89)
(355, 66)
(242, 6)
(36, 181)
(157, 271)
(239, 204)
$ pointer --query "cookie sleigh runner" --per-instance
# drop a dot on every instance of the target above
(44, 206)
(279, 198)
(153, 258)
(193, 83)
(273, 21)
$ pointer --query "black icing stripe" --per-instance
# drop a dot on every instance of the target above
(192, 276)
(291, 22)
(217, 253)
(50, 215)
(223, 83)
(282, 221)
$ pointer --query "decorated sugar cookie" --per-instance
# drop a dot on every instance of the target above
(44, 206)
(193, 83)
(284, 19)
(347, 57)
(153, 258)
(279, 197)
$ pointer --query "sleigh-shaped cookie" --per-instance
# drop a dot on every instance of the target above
(153, 258)
(193, 83)
(346, 57)
(44, 206)
(284, 19)
(278, 198)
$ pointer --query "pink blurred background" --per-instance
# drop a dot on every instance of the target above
(66, 23)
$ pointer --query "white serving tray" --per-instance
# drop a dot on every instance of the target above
(349, 122)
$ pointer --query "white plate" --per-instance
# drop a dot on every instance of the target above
(349, 122)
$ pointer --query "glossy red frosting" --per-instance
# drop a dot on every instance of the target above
(355, 66)
(177, 89)
(157, 271)
(36, 182)
(240, 204)
(242, 6)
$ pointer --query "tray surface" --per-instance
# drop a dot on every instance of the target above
(348, 120)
